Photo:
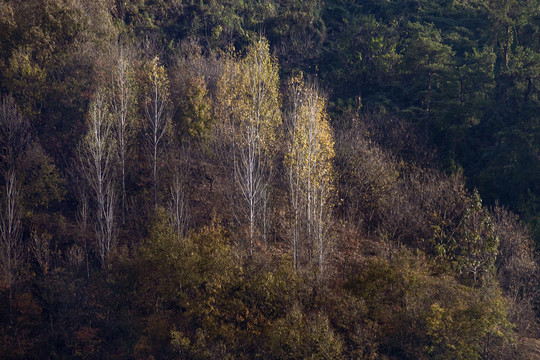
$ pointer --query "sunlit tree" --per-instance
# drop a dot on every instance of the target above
(249, 95)
(158, 116)
(122, 106)
(309, 165)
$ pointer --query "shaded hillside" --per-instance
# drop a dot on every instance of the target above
(272, 180)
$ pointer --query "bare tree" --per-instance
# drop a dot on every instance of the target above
(478, 245)
(83, 221)
(96, 156)
(158, 116)
(14, 133)
(292, 114)
(178, 205)
(250, 99)
(517, 267)
(223, 134)
(122, 102)
(11, 249)
(14, 138)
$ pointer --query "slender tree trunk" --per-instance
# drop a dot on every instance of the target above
(154, 172)
(14, 138)
(178, 205)
(156, 117)
(158, 120)
(11, 236)
(309, 166)
(123, 192)
(86, 249)
(96, 156)
(122, 98)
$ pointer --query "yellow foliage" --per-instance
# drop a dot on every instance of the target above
(311, 147)
(309, 161)
(157, 78)
(248, 97)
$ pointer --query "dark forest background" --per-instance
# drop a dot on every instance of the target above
(272, 179)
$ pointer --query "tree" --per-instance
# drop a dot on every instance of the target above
(158, 116)
(292, 119)
(309, 163)
(10, 233)
(258, 129)
(464, 105)
(192, 79)
(297, 336)
(96, 158)
(250, 98)
(178, 203)
(14, 139)
(427, 58)
(517, 267)
(479, 244)
(122, 104)
(297, 33)
(468, 241)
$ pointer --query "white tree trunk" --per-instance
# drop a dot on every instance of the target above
(157, 121)
(96, 156)
(122, 101)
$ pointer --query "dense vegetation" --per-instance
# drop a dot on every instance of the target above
(271, 179)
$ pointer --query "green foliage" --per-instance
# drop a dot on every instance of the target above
(7, 26)
(44, 185)
(208, 305)
(298, 337)
(27, 81)
(297, 32)
(470, 246)
(426, 60)
(479, 245)
(195, 110)
(48, 53)
(189, 276)
(425, 313)
(470, 330)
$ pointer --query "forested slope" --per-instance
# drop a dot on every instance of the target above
(269, 179)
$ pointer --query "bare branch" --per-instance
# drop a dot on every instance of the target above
(96, 158)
